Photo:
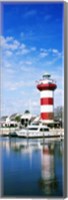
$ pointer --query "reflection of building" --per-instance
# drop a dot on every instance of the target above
(48, 181)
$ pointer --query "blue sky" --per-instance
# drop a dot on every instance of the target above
(32, 43)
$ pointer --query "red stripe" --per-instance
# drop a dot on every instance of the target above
(47, 116)
(46, 101)
(47, 86)
(45, 151)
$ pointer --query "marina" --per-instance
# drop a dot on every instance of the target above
(37, 127)
(32, 110)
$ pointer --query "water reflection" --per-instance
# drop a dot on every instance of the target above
(48, 180)
(23, 146)
(44, 160)
(18, 144)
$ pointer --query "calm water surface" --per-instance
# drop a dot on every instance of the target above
(32, 167)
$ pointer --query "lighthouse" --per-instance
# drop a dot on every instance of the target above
(46, 86)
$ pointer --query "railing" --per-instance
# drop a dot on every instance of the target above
(46, 81)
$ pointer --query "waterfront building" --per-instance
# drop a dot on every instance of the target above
(6, 121)
(26, 118)
(3, 121)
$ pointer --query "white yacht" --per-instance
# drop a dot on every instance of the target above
(37, 130)
(34, 131)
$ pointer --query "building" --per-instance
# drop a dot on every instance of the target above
(6, 121)
(26, 118)
(3, 121)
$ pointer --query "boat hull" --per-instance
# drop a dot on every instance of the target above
(40, 136)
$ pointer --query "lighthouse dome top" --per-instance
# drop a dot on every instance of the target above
(46, 75)
(46, 83)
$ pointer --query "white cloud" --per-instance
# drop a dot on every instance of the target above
(28, 62)
(16, 85)
(43, 52)
(22, 46)
(9, 39)
(29, 13)
(7, 65)
(15, 45)
(25, 51)
(54, 50)
(8, 53)
(9, 43)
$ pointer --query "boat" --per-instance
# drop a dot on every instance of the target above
(12, 134)
(35, 130)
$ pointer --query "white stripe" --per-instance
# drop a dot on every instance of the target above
(46, 93)
(47, 108)
(47, 121)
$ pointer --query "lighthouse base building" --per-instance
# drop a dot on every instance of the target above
(46, 86)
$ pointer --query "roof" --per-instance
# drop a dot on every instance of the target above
(26, 116)
(36, 119)
(3, 118)
(46, 75)
(14, 115)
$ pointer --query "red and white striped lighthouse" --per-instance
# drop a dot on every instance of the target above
(47, 87)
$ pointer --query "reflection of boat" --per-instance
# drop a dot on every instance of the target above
(13, 134)
(24, 146)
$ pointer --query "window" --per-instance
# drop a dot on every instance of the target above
(44, 129)
(33, 129)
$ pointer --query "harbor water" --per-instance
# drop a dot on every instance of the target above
(32, 168)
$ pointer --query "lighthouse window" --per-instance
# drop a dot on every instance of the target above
(33, 129)
(44, 129)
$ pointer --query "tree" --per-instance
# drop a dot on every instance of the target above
(59, 112)
(18, 118)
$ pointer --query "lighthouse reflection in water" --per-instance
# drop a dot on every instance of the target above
(32, 167)
(48, 182)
